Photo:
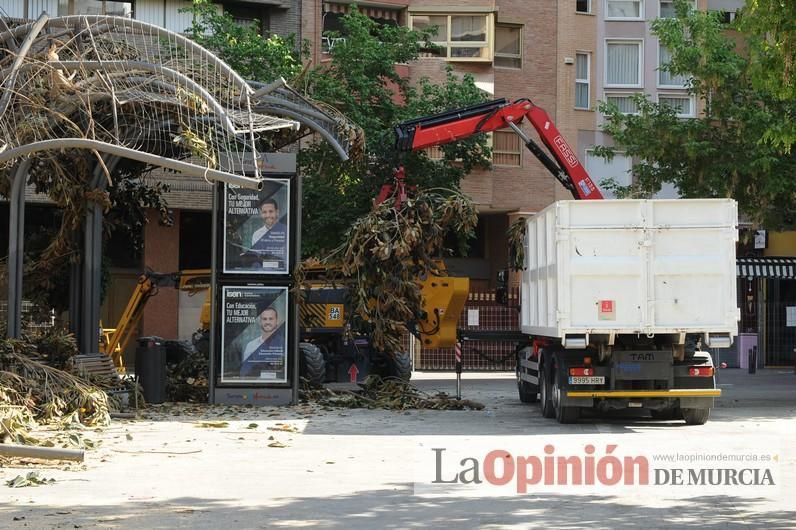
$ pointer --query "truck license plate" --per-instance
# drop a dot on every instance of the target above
(587, 380)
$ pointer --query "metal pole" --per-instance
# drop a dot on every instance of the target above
(458, 352)
(296, 231)
(88, 339)
(211, 380)
(753, 360)
(16, 249)
(49, 453)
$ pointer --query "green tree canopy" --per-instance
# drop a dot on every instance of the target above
(770, 27)
(360, 81)
(722, 152)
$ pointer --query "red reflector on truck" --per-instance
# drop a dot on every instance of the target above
(701, 371)
(581, 371)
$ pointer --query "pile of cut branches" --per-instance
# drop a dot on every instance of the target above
(33, 393)
(390, 393)
(390, 249)
(187, 373)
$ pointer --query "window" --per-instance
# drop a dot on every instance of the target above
(434, 152)
(93, 7)
(506, 148)
(727, 17)
(682, 105)
(582, 72)
(668, 79)
(623, 9)
(600, 169)
(583, 6)
(459, 37)
(508, 46)
(667, 9)
(623, 63)
(255, 18)
(624, 102)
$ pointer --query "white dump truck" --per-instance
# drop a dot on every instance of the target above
(622, 303)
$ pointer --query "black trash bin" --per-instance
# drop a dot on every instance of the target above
(150, 368)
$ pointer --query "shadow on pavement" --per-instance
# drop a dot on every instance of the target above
(398, 508)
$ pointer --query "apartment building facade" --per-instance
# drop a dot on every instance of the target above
(565, 56)
(607, 53)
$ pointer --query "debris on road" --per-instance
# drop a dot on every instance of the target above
(389, 393)
(31, 479)
(212, 424)
(33, 394)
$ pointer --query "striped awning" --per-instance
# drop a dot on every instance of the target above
(382, 12)
(766, 268)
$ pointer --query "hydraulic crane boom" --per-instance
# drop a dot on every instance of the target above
(462, 123)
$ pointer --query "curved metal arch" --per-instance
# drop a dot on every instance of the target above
(72, 21)
(168, 73)
(10, 79)
(125, 152)
(304, 120)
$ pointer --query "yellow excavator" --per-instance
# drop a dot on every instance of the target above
(329, 350)
(114, 341)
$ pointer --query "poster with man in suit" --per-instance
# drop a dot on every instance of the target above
(254, 335)
(256, 233)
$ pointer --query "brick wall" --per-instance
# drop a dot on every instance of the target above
(285, 22)
(529, 187)
(161, 254)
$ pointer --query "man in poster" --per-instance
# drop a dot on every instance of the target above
(270, 241)
(264, 356)
(256, 231)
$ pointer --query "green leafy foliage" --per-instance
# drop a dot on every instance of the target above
(362, 82)
(721, 153)
(251, 55)
(31, 479)
(770, 29)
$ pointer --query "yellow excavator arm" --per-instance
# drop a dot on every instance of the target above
(115, 340)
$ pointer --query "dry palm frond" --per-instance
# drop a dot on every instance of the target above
(516, 237)
(390, 393)
(198, 146)
(49, 393)
(389, 250)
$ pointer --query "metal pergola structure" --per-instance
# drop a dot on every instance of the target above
(110, 89)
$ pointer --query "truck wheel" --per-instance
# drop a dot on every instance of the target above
(563, 414)
(312, 365)
(545, 401)
(528, 392)
(400, 366)
(696, 416)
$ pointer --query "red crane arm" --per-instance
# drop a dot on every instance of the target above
(458, 124)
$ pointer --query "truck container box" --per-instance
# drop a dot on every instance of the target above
(631, 267)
